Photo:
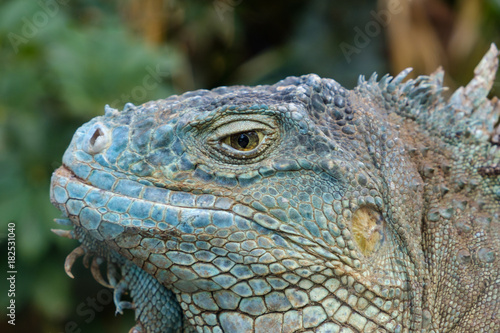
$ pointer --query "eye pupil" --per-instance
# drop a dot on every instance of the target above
(243, 140)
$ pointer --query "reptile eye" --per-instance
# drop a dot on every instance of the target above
(243, 141)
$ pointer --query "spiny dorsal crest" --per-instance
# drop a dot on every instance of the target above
(468, 113)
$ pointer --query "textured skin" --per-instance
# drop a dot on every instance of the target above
(371, 210)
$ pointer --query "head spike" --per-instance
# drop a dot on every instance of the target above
(398, 79)
(373, 78)
(129, 106)
(65, 221)
(109, 111)
(64, 233)
(384, 80)
(484, 76)
(437, 77)
(361, 80)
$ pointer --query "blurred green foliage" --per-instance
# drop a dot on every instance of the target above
(61, 62)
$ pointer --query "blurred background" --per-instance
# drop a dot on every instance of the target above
(61, 61)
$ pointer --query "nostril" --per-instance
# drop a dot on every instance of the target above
(98, 139)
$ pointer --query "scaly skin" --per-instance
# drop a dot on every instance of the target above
(295, 207)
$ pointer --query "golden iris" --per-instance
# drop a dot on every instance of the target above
(243, 141)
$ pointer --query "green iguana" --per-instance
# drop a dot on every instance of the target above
(295, 207)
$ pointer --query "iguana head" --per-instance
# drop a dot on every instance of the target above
(290, 207)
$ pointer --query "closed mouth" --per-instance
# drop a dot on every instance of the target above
(107, 213)
(125, 207)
